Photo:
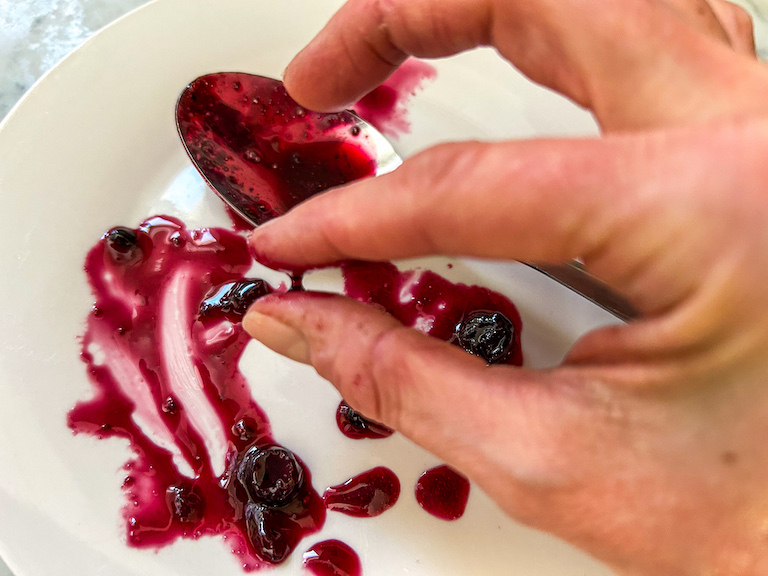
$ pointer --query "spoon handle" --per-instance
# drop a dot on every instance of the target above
(573, 275)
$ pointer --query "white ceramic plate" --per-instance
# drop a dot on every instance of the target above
(94, 145)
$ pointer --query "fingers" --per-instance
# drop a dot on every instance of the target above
(737, 24)
(605, 201)
(630, 62)
(448, 402)
(456, 199)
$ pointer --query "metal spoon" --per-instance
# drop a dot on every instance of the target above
(262, 154)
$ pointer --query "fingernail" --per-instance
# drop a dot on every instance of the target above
(277, 336)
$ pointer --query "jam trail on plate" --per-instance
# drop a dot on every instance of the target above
(356, 426)
(481, 321)
(162, 346)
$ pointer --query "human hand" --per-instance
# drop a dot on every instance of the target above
(645, 447)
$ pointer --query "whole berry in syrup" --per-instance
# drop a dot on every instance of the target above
(271, 532)
(232, 299)
(354, 425)
(490, 335)
(270, 474)
(123, 245)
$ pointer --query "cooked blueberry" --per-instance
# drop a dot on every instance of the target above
(270, 531)
(185, 503)
(123, 244)
(233, 298)
(354, 425)
(489, 335)
(270, 474)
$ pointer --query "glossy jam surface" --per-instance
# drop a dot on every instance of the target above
(429, 302)
(356, 426)
(162, 345)
(332, 558)
(443, 492)
(368, 494)
(257, 147)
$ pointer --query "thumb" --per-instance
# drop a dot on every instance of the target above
(443, 399)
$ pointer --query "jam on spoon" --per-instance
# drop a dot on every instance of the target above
(263, 153)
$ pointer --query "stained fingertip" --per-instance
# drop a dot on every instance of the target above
(277, 335)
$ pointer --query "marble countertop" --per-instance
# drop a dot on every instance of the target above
(36, 34)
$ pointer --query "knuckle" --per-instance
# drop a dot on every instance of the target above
(742, 18)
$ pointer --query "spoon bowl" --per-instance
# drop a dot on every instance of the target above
(262, 153)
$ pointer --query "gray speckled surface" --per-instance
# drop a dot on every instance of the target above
(36, 34)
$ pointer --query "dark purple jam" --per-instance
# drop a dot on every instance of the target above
(487, 334)
(368, 494)
(332, 558)
(162, 345)
(256, 146)
(232, 299)
(430, 303)
(354, 425)
(443, 492)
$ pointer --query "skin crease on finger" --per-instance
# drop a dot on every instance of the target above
(645, 448)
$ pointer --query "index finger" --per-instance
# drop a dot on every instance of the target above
(635, 63)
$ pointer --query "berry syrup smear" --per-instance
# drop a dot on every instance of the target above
(439, 308)
(332, 558)
(443, 492)
(366, 495)
(162, 346)
(164, 338)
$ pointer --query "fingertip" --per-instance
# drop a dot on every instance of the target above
(276, 334)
